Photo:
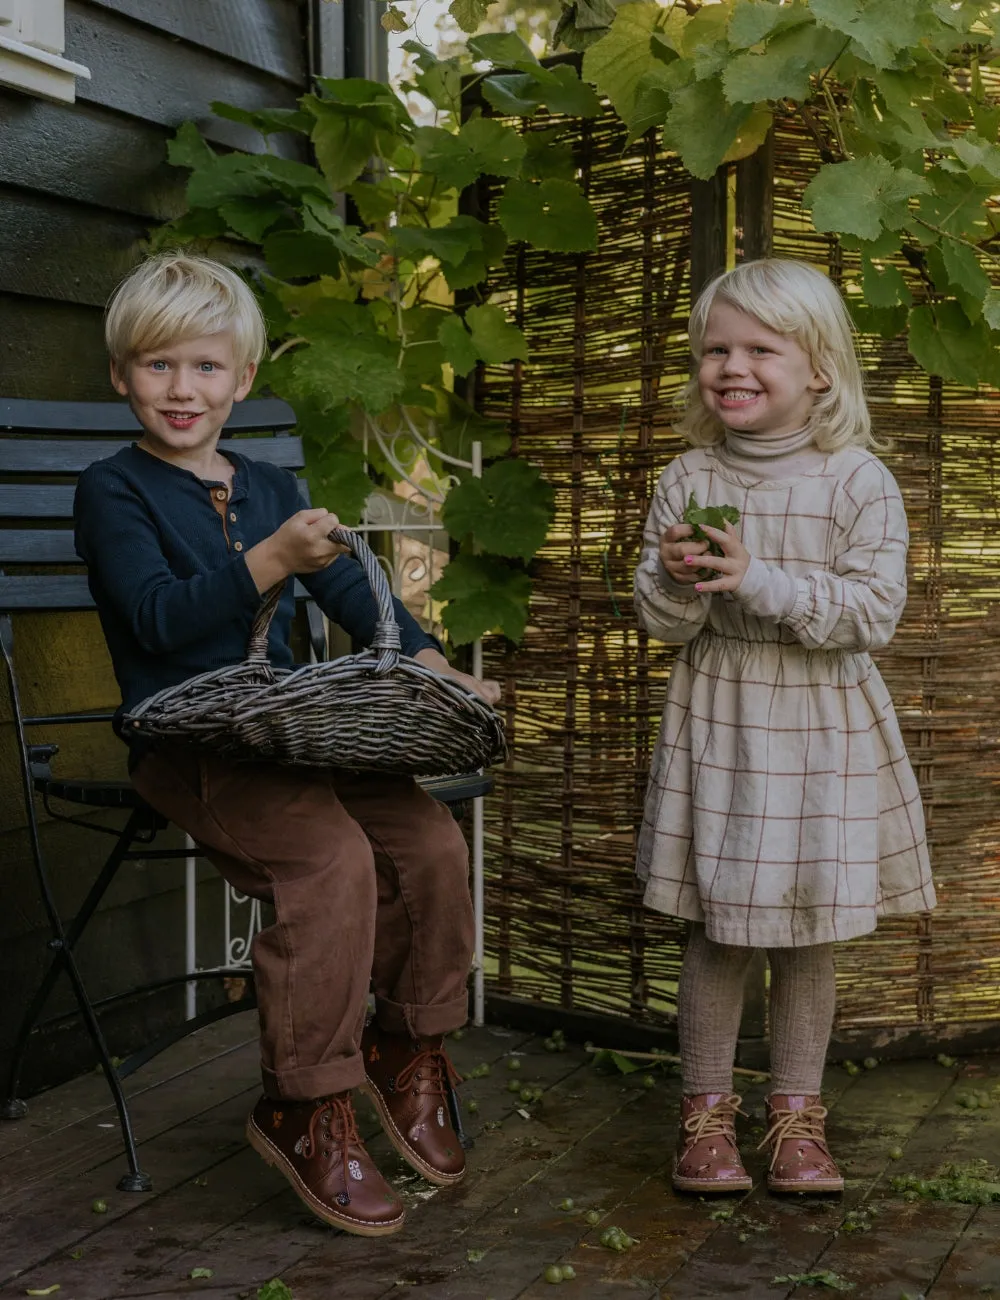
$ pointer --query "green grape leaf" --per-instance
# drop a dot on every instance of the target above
(471, 269)
(355, 119)
(977, 154)
(508, 510)
(956, 204)
(349, 358)
(450, 243)
(468, 14)
(459, 350)
(562, 91)
(238, 175)
(944, 343)
(964, 269)
(991, 309)
(252, 218)
(484, 594)
(886, 322)
(493, 337)
(376, 201)
(457, 425)
(189, 148)
(268, 121)
(502, 49)
(394, 20)
(547, 156)
(582, 23)
(751, 135)
(782, 69)
(753, 21)
(653, 96)
(514, 94)
(481, 147)
(616, 63)
(884, 286)
(702, 127)
(554, 215)
(879, 29)
(861, 197)
(199, 223)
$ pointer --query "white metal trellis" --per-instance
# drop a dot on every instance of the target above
(408, 514)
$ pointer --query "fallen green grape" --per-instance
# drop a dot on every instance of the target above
(648, 1081)
(100, 1206)
(948, 1062)
(895, 1153)
(870, 1062)
(568, 1272)
(514, 1085)
(592, 1217)
(513, 1063)
(472, 1106)
(566, 1203)
(553, 1273)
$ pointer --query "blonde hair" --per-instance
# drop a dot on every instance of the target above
(174, 297)
(800, 302)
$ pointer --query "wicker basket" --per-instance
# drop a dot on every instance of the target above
(375, 711)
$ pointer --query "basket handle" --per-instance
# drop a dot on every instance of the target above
(386, 640)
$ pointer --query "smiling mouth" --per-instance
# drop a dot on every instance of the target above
(738, 394)
(182, 418)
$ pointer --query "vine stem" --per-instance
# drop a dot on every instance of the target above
(282, 348)
(673, 1060)
(958, 239)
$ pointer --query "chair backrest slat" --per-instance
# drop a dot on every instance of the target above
(87, 419)
(37, 546)
(66, 456)
(36, 501)
(51, 592)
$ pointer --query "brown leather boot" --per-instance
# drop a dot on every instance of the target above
(796, 1136)
(316, 1145)
(408, 1083)
(708, 1159)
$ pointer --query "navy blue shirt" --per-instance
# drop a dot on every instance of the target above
(169, 576)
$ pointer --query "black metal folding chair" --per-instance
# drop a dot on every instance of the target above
(43, 447)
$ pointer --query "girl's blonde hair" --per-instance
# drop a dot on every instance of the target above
(800, 302)
(173, 297)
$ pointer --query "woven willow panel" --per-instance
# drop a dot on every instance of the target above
(584, 691)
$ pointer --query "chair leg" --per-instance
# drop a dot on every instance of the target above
(455, 1110)
(13, 1107)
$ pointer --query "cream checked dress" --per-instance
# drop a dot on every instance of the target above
(782, 809)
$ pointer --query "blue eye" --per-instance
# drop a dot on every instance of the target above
(207, 367)
(158, 366)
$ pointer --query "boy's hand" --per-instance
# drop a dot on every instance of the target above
(303, 542)
(732, 565)
(487, 690)
(676, 543)
(301, 545)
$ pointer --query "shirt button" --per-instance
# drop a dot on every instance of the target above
(221, 494)
(238, 546)
(232, 516)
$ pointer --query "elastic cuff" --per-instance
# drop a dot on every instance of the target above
(421, 1021)
(312, 1081)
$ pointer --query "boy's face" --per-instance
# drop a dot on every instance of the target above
(182, 394)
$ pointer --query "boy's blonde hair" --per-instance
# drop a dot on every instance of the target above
(794, 299)
(174, 297)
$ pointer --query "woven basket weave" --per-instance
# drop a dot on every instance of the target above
(375, 711)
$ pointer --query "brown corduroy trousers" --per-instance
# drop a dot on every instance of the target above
(368, 877)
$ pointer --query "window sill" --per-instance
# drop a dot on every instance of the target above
(36, 71)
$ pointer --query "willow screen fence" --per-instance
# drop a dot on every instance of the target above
(593, 407)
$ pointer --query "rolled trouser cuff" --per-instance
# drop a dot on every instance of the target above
(311, 1081)
(421, 1021)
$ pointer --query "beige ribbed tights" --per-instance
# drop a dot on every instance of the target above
(710, 1004)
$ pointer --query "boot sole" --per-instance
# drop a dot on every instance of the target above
(397, 1139)
(790, 1187)
(273, 1157)
(712, 1185)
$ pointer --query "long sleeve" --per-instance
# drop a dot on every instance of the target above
(120, 542)
(856, 606)
(667, 610)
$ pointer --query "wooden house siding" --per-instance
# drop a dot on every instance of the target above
(80, 186)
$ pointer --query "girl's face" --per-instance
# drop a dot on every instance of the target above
(752, 379)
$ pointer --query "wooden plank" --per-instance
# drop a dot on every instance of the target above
(580, 1026)
(85, 153)
(65, 456)
(36, 501)
(755, 202)
(708, 229)
(256, 415)
(37, 546)
(267, 35)
(973, 1267)
(136, 72)
(65, 592)
(38, 335)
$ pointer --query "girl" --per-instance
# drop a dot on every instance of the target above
(782, 812)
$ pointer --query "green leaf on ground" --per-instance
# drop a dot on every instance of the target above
(553, 215)
(481, 147)
(702, 127)
(484, 594)
(274, 1290)
(782, 69)
(822, 1277)
(202, 1272)
(509, 509)
(862, 197)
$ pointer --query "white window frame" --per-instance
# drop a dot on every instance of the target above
(32, 41)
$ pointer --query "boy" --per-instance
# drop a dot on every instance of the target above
(368, 876)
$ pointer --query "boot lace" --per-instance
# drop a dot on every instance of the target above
(804, 1125)
(333, 1121)
(717, 1121)
(431, 1065)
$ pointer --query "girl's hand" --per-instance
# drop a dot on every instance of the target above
(676, 543)
(731, 565)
